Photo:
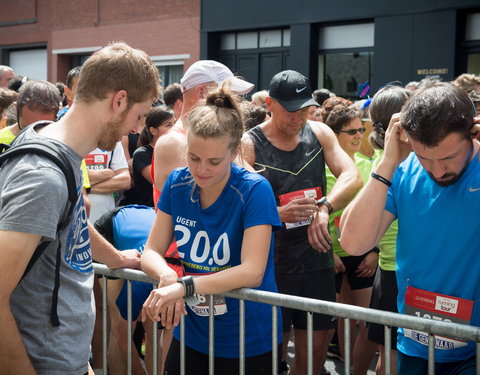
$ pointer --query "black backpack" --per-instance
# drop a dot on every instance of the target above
(49, 151)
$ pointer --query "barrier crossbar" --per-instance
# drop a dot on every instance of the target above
(388, 319)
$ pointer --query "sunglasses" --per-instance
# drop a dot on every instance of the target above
(352, 131)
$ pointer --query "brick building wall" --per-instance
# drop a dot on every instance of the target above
(167, 29)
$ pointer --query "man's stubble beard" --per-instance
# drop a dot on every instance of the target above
(112, 133)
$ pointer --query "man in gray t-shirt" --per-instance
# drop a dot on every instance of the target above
(34, 200)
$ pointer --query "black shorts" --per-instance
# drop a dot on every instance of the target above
(197, 363)
(384, 297)
(318, 285)
(356, 283)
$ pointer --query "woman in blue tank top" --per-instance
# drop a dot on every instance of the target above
(222, 217)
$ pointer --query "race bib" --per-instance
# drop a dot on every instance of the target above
(315, 193)
(202, 308)
(96, 161)
(440, 307)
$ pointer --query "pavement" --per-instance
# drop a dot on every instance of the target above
(334, 366)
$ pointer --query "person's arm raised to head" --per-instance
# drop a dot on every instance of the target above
(365, 220)
(169, 153)
(16, 250)
(342, 167)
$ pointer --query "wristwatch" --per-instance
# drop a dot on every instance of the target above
(187, 282)
(324, 201)
(189, 297)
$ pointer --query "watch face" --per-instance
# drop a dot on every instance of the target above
(324, 201)
(321, 201)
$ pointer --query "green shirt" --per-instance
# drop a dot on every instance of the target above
(364, 166)
(388, 243)
(6, 136)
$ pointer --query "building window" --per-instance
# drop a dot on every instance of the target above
(344, 72)
(472, 31)
(29, 62)
(170, 67)
(345, 58)
(472, 38)
(255, 39)
(170, 74)
(473, 63)
(270, 38)
(78, 60)
(247, 40)
(227, 42)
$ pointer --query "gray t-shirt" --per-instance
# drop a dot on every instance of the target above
(34, 199)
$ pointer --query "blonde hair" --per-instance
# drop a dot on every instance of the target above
(118, 67)
(468, 82)
(260, 96)
(220, 116)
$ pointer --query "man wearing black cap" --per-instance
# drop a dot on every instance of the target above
(291, 153)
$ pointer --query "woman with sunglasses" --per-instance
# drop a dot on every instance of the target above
(222, 217)
(354, 275)
(159, 120)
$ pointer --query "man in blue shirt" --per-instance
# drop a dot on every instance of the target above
(434, 192)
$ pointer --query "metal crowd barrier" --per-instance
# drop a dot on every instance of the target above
(388, 319)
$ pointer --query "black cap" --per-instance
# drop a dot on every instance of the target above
(292, 90)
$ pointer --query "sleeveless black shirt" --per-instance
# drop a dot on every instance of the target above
(289, 171)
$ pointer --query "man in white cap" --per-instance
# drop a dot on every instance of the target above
(291, 153)
(170, 149)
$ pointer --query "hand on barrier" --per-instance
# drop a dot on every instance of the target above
(165, 304)
(129, 259)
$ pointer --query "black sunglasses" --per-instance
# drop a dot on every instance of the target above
(352, 131)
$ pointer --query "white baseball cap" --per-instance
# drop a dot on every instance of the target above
(204, 71)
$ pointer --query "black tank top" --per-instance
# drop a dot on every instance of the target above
(290, 171)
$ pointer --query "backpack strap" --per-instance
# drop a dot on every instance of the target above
(49, 151)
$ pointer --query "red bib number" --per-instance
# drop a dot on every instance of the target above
(429, 305)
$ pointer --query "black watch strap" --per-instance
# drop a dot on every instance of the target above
(325, 201)
(188, 284)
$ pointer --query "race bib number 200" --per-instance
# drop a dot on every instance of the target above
(436, 306)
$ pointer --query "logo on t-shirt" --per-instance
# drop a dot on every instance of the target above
(78, 254)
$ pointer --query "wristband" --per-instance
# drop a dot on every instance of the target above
(381, 179)
(187, 282)
(324, 201)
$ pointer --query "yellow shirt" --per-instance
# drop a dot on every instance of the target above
(6, 136)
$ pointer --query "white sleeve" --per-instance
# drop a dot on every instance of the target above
(118, 158)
